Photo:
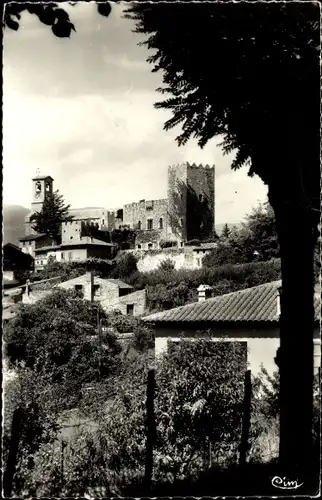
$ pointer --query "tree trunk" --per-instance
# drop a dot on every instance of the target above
(296, 229)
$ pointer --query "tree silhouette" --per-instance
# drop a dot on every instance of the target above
(225, 231)
(53, 213)
(48, 13)
(250, 73)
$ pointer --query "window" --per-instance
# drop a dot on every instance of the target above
(161, 223)
(70, 255)
(139, 247)
(181, 243)
(130, 309)
(62, 256)
(79, 288)
(150, 245)
(96, 289)
(150, 224)
(103, 221)
(139, 225)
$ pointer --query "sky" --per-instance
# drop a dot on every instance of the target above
(81, 110)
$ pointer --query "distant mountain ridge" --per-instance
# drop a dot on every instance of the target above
(13, 223)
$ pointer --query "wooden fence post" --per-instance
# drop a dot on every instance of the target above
(150, 428)
(244, 445)
(13, 451)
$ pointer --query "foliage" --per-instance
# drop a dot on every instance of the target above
(199, 397)
(52, 338)
(167, 295)
(225, 231)
(143, 338)
(256, 240)
(126, 264)
(41, 403)
(269, 39)
(178, 287)
(166, 265)
(189, 396)
(167, 244)
(53, 213)
(93, 231)
(49, 14)
(70, 270)
(124, 237)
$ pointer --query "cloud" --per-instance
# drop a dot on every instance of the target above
(82, 111)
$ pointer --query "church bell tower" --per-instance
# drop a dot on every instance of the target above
(42, 186)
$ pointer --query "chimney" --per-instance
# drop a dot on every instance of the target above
(89, 286)
(203, 292)
(278, 305)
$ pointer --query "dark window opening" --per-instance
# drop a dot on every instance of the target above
(96, 289)
(130, 309)
(150, 245)
(139, 247)
(161, 223)
(150, 224)
(139, 225)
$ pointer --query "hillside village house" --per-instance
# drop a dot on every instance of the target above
(112, 294)
(14, 260)
(74, 251)
(250, 315)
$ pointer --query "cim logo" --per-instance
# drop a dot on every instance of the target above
(285, 484)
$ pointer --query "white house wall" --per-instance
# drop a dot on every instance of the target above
(182, 260)
(261, 350)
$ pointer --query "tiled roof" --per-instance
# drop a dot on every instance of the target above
(31, 237)
(80, 243)
(256, 304)
(119, 283)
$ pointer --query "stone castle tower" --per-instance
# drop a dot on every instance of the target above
(191, 201)
(42, 186)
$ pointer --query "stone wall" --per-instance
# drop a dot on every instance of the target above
(191, 201)
(71, 232)
(135, 299)
(97, 215)
(183, 258)
(109, 293)
(200, 202)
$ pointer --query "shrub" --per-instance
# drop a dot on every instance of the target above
(126, 264)
(166, 265)
(168, 244)
(198, 398)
